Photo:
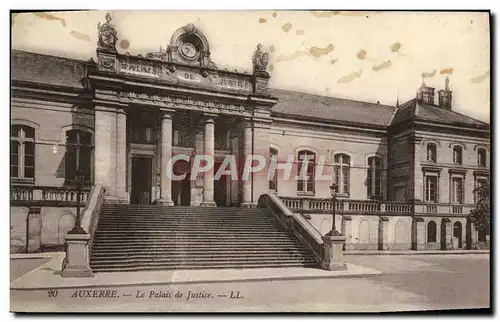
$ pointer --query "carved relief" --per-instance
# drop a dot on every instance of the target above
(107, 35)
(107, 63)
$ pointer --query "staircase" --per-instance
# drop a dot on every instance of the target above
(151, 237)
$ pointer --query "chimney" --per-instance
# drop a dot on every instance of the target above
(445, 95)
(426, 93)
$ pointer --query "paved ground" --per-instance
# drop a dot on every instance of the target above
(414, 282)
(19, 267)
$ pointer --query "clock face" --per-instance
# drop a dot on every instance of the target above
(188, 50)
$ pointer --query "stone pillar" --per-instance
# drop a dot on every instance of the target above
(76, 262)
(347, 232)
(420, 227)
(197, 183)
(105, 149)
(235, 183)
(383, 233)
(121, 156)
(261, 143)
(333, 255)
(247, 151)
(166, 155)
(209, 150)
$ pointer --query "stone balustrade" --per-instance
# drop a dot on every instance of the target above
(46, 196)
(346, 206)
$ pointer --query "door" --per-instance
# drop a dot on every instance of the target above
(220, 187)
(141, 180)
(457, 233)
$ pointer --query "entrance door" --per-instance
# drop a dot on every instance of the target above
(220, 188)
(141, 180)
(457, 233)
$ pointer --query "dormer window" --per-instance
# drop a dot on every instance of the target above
(431, 152)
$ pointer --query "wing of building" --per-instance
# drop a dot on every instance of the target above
(405, 175)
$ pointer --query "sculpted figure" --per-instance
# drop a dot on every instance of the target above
(259, 60)
(107, 35)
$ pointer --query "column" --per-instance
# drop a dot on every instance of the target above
(105, 150)
(166, 155)
(121, 156)
(247, 151)
(209, 150)
(383, 231)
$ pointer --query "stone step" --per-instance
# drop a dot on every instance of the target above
(183, 243)
(205, 258)
(201, 251)
(149, 267)
(196, 262)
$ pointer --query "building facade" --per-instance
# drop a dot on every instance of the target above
(405, 174)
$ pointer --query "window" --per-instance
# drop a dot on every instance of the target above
(431, 232)
(78, 154)
(430, 188)
(479, 183)
(481, 157)
(374, 178)
(342, 173)
(457, 190)
(306, 184)
(22, 152)
(273, 183)
(457, 155)
(431, 152)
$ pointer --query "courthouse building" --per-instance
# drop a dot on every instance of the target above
(406, 174)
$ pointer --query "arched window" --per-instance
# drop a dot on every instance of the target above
(457, 154)
(273, 183)
(374, 178)
(305, 183)
(431, 232)
(22, 152)
(431, 152)
(78, 155)
(342, 173)
(481, 157)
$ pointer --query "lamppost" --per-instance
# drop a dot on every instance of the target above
(79, 178)
(333, 190)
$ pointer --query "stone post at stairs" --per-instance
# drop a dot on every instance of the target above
(77, 260)
(333, 255)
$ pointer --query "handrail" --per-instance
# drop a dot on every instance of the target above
(23, 195)
(90, 214)
(301, 228)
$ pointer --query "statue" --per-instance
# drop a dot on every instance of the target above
(260, 60)
(107, 36)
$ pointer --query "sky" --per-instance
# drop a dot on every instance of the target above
(365, 56)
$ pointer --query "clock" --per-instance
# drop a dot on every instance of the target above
(188, 50)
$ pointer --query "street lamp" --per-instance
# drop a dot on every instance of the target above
(333, 190)
(79, 178)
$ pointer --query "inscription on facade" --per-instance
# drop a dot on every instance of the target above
(231, 82)
(143, 69)
(188, 101)
(191, 77)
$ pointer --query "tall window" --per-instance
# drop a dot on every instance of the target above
(78, 154)
(479, 183)
(374, 179)
(305, 184)
(22, 152)
(273, 183)
(457, 154)
(431, 152)
(342, 173)
(457, 190)
(431, 232)
(481, 157)
(431, 188)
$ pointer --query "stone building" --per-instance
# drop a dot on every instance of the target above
(405, 174)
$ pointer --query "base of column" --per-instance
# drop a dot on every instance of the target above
(163, 202)
(334, 265)
(248, 204)
(208, 204)
(76, 262)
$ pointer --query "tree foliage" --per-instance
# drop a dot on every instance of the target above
(481, 214)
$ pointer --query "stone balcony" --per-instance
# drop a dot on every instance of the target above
(26, 196)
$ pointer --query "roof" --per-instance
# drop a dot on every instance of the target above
(418, 110)
(47, 69)
(332, 108)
